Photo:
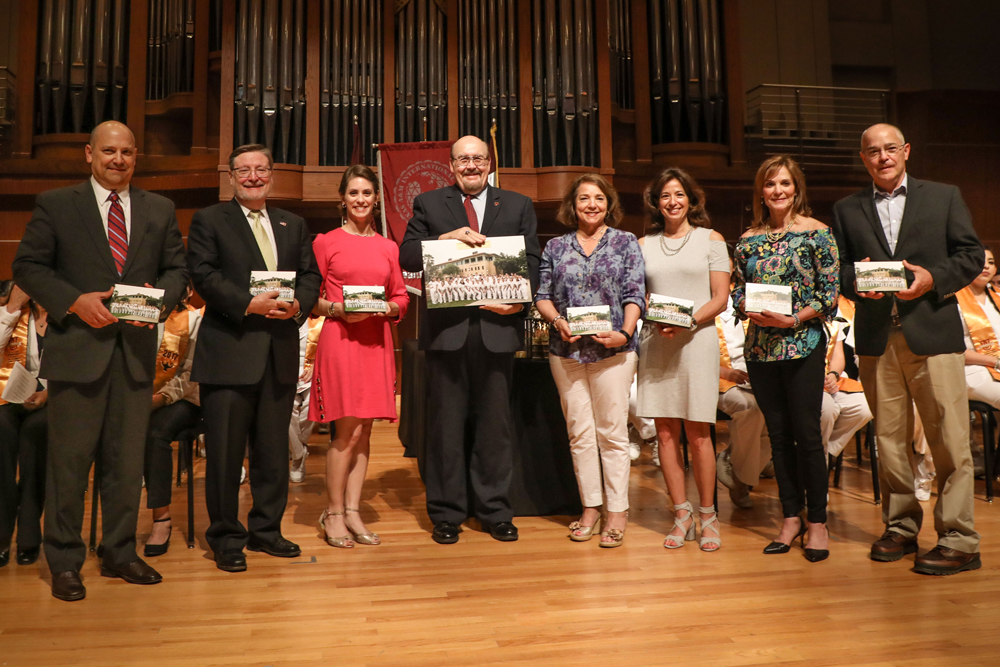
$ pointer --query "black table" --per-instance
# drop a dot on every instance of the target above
(543, 482)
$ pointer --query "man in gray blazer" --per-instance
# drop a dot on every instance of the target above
(470, 352)
(911, 345)
(80, 242)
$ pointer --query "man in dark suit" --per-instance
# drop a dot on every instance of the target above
(470, 352)
(80, 242)
(911, 345)
(247, 359)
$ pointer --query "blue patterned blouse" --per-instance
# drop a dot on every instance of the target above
(806, 261)
(613, 275)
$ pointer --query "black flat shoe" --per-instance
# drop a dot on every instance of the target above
(231, 561)
(781, 547)
(445, 532)
(280, 548)
(158, 549)
(505, 531)
(28, 556)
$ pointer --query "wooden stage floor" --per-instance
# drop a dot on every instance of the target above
(541, 600)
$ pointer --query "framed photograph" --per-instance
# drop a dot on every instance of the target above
(136, 304)
(775, 298)
(670, 310)
(880, 276)
(269, 281)
(586, 320)
(364, 299)
(456, 274)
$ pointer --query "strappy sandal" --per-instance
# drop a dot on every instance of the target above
(339, 542)
(677, 541)
(362, 538)
(713, 523)
(585, 532)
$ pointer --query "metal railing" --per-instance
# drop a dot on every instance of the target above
(819, 126)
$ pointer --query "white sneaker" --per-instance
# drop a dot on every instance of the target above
(634, 443)
(922, 482)
(655, 444)
(243, 474)
(297, 470)
(724, 470)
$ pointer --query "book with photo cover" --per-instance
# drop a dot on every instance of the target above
(775, 298)
(586, 320)
(269, 281)
(364, 299)
(879, 276)
(136, 304)
(457, 274)
(670, 310)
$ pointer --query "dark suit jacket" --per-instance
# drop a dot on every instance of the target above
(65, 253)
(936, 233)
(222, 251)
(441, 211)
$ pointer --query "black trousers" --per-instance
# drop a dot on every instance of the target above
(164, 425)
(23, 444)
(790, 394)
(235, 415)
(469, 433)
(107, 417)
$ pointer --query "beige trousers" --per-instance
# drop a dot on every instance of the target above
(843, 414)
(749, 445)
(936, 384)
(595, 402)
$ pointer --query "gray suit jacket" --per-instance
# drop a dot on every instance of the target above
(65, 253)
(936, 233)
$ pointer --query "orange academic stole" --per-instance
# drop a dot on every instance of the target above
(176, 334)
(984, 339)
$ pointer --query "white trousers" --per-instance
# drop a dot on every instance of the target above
(594, 400)
(300, 428)
(644, 425)
(843, 415)
(750, 446)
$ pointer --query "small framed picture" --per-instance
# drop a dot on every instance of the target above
(364, 299)
(136, 304)
(670, 310)
(587, 320)
(269, 281)
(775, 298)
(879, 276)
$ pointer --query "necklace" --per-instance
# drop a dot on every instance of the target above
(370, 232)
(773, 236)
(595, 237)
(670, 252)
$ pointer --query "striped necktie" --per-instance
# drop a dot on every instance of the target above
(263, 242)
(117, 233)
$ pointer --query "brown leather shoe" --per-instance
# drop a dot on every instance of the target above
(892, 546)
(136, 572)
(67, 586)
(942, 560)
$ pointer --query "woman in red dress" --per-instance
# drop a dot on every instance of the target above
(355, 370)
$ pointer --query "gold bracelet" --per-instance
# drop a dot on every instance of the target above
(329, 311)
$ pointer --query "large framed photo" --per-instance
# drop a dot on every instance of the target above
(879, 276)
(136, 304)
(775, 298)
(457, 274)
(270, 281)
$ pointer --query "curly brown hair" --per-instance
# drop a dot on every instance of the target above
(770, 167)
(696, 216)
(567, 209)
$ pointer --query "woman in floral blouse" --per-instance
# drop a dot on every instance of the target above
(786, 353)
(594, 265)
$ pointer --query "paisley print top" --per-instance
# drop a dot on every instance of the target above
(808, 263)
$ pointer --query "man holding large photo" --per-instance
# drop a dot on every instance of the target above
(470, 351)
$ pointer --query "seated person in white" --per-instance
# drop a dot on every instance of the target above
(640, 429)
(845, 408)
(300, 428)
(749, 451)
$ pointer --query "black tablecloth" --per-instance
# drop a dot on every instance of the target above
(543, 482)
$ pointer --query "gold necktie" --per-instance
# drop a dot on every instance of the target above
(263, 242)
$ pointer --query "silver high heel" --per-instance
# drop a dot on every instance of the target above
(677, 541)
(362, 538)
(339, 542)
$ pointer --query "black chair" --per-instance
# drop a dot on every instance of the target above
(988, 417)
(870, 442)
(186, 440)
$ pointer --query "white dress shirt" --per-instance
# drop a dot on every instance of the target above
(101, 193)
(890, 207)
(265, 220)
(478, 205)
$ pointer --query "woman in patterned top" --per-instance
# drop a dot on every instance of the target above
(594, 265)
(785, 353)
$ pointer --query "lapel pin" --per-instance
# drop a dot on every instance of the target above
(283, 223)
(496, 203)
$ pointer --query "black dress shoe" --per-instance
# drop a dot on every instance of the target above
(445, 532)
(4, 557)
(280, 547)
(504, 531)
(231, 561)
(67, 586)
(136, 572)
(28, 556)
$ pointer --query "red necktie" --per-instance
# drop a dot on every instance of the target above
(470, 213)
(117, 234)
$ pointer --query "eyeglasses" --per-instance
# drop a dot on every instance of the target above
(466, 160)
(243, 172)
(891, 150)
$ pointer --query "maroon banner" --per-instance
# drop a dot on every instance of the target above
(405, 171)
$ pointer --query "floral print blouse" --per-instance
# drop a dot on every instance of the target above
(613, 275)
(808, 263)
